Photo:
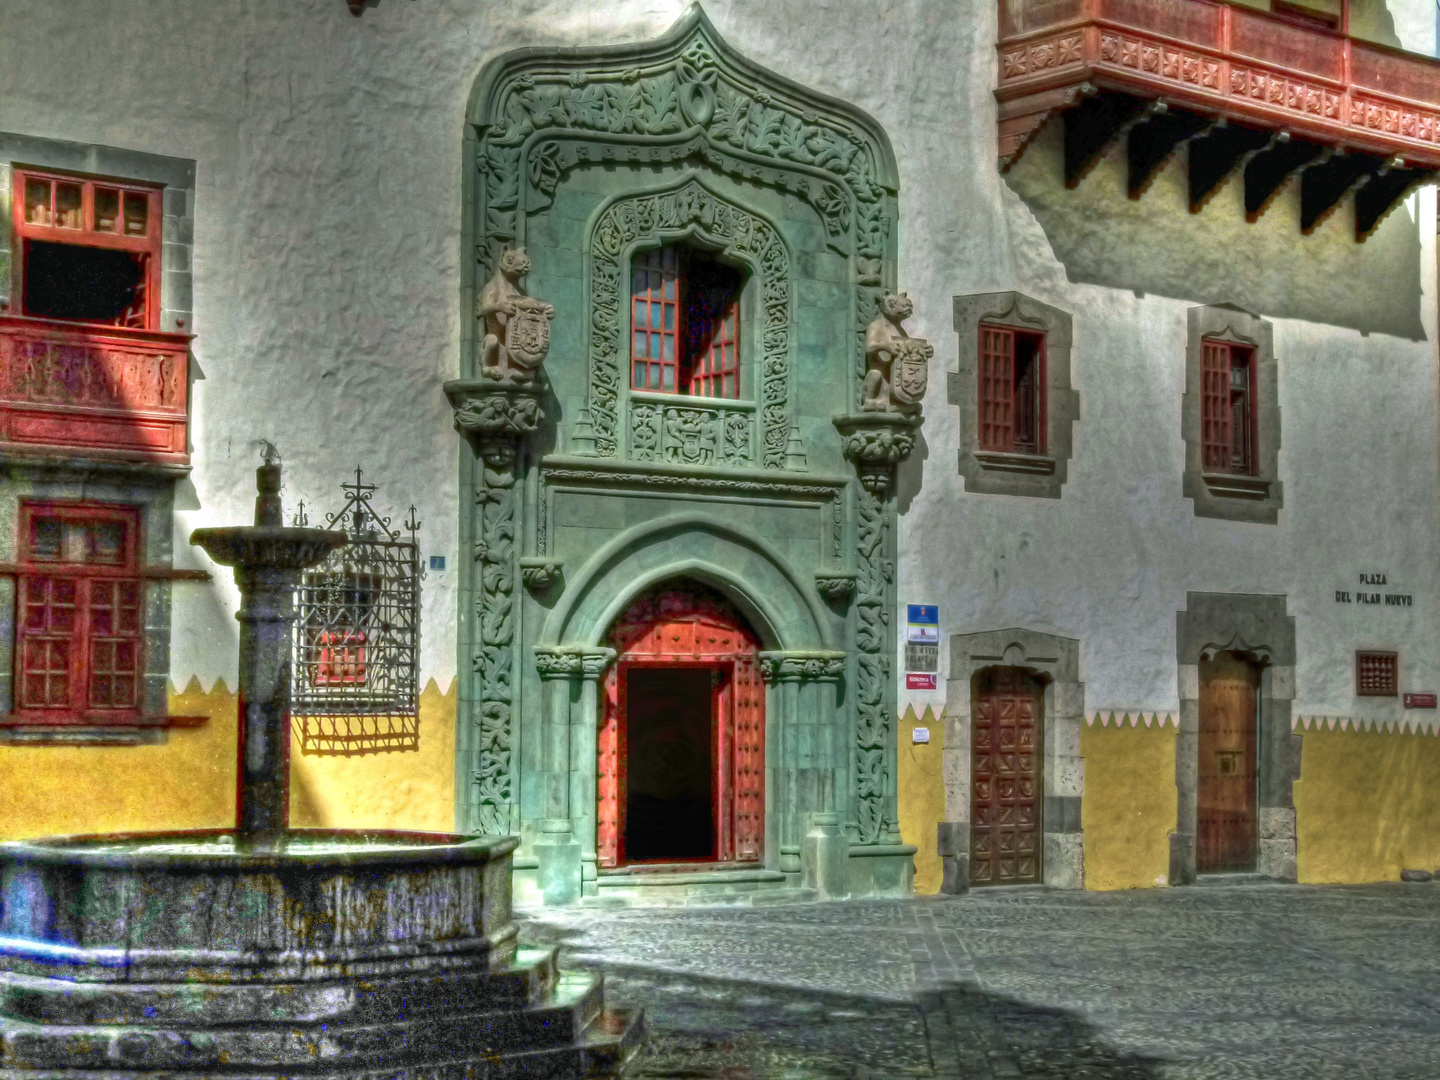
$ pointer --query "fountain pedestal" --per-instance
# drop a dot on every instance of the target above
(270, 952)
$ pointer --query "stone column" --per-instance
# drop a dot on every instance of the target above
(803, 685)
(584, 728)
(566, 848)
(557, 847)
(497, 417)
(875, 443)
(269, 559)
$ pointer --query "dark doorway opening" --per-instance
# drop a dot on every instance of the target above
(1227, 825)
(669, 747)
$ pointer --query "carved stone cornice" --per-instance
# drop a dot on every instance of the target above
(802, 666)
(569, 662)
(875, 443)
(542, 576)
(836, 586)
(496, 414)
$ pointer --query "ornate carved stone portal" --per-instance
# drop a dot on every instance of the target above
(592, 487)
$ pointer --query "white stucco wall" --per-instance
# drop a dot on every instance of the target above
(327, 265)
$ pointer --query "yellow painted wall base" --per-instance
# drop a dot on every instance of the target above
(188, 781)
(921, 789)
(1128, 811)
(1367, 806)
(413, 790)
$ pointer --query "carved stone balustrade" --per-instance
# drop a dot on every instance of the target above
(97, 391)
(1244, 90)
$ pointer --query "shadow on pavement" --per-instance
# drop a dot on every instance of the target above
(706, 1028)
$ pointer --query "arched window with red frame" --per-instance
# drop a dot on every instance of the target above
(685, 323)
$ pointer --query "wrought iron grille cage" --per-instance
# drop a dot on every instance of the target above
(355, 657)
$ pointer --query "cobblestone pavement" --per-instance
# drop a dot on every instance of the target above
(1241, 981)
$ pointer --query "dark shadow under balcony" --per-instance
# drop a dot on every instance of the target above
(1243, 92)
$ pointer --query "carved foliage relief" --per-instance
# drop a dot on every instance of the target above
(689, 99)
(679, 430)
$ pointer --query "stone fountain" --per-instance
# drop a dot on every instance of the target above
(265, 951)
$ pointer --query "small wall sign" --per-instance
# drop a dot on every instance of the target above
(1365, 596)
(437, 562)
(919, 734)
(923, 623)
(920, 680)
(1419, 701)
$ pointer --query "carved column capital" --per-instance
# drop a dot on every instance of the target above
(875, 443)
(801, 666)
(570, 662)
(496, 414)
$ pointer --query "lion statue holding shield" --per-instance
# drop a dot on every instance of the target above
(516, 327)
(897, 365)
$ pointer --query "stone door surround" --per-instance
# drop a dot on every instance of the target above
(1259, 627)
(1055, 660)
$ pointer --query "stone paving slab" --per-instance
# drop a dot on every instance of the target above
(1247, 981)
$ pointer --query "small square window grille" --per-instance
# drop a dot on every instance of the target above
(355, 674)
(1376, 674)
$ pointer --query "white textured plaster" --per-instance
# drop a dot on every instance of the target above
(326, 287)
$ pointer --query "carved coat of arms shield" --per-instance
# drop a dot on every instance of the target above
(527, 333)
(910, 374)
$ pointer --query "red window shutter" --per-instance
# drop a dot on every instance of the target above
(997, 389)
(654, 320)
(717, 369)
(1215, 406)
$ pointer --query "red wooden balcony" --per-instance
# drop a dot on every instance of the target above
(69, 389)
(1240, 89)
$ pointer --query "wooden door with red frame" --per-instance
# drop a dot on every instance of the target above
(1007, 729)
(1226, 795)
(681, 769)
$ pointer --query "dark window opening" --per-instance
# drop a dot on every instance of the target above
(685, 323)
(85, 284)
(1228, 408)
(1012, 390)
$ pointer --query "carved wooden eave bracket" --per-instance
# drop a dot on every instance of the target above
(1241, 91)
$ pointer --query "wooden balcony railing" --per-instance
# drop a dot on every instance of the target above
(69, 389)
(1242, 88)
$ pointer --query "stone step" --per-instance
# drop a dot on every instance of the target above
(1241, 878)
(526, 981)
(607, 1043)
(555, 1023)
(699, 888)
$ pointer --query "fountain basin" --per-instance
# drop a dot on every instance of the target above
(191, 906)
(337, 953)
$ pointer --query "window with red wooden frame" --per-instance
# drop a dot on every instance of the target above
(79, 616)
(685, 323)
(1377, 674)
(1227, 407)
(1012, 390)
(88, 249)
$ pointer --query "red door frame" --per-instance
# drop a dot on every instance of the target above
(673, 630)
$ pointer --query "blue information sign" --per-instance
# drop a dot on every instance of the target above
(924, 614)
